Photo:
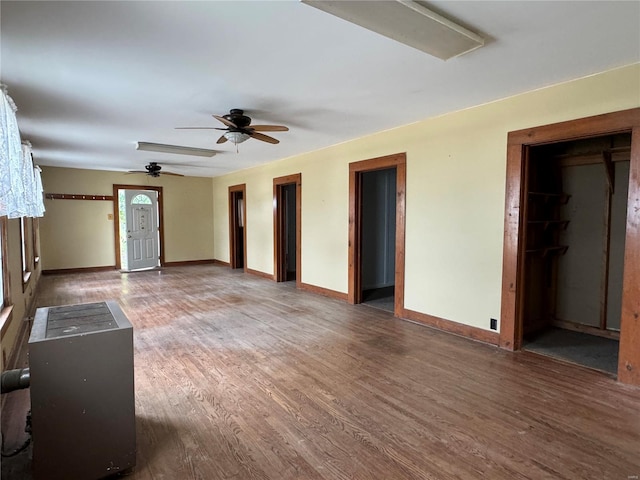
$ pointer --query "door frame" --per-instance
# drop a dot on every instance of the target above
(233, 223)
(279, 273)
(356, 169)
(518, 146)
(116, 219)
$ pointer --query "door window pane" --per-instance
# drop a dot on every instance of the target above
(141, 200)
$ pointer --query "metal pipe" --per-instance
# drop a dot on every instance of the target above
(15, 380)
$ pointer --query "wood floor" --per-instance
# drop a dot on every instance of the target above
(238, 377)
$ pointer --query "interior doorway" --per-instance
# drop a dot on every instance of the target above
(575, 222)
(377, 232)
(138, 227)
(378, 243)
(237, 227)
(571, 252)
(287, 213)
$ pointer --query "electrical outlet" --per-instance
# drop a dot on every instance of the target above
(493, 324)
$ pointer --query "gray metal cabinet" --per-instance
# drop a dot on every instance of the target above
(82, 392)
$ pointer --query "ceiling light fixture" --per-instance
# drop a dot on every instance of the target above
(406, 21)
(237, 137)
(176, 149)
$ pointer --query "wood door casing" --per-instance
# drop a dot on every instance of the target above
(519, 144)
(399, 162)
(116, 218)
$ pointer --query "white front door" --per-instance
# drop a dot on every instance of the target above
(142, 229)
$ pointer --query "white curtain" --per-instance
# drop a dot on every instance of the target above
(12, 197)
(33, 201)
(39, 191)
(20, 182)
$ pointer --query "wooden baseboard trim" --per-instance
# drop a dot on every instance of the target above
(578, 327)
(325, 292)
(260, 274)
(221, 263)
(450, 326)
(188, 263)
(79, 270)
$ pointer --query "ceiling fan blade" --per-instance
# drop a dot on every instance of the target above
(264, 138)
(199, 128)
(222, 139)
(173, 174)
(269, 128)
(228, 123)
(135, 171)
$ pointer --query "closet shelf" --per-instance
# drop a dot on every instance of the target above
(546, 224)
(560, 198)
(546, 251)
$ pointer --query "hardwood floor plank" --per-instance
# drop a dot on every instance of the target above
(238, 377)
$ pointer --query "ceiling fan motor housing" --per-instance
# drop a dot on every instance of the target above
(154, 169)
(238, 117)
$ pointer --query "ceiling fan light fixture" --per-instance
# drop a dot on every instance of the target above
(237, 137)
(176, 149)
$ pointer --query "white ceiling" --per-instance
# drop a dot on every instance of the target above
(92, 78)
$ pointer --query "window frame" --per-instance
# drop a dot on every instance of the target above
(6, 306)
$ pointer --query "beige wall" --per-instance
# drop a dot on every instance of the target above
(455, 204)
(455, 196)
(78, 233)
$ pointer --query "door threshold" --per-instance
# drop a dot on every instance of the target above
(147, 269)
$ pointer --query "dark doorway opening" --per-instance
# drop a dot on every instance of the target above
(237, 228)
(287, 195)
(378, 245)
(289, 232)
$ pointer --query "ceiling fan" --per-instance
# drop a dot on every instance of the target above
(154, 170)
(239, 128)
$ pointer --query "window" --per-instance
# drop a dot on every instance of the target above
(4, 264)
(35, 233)
(25, 249)
(122, 217)
(141, 200)
(5, 300)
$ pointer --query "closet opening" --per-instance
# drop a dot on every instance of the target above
(378, 240)
(376, 232)
(237, 227)
(574, 228)
(287, 228)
